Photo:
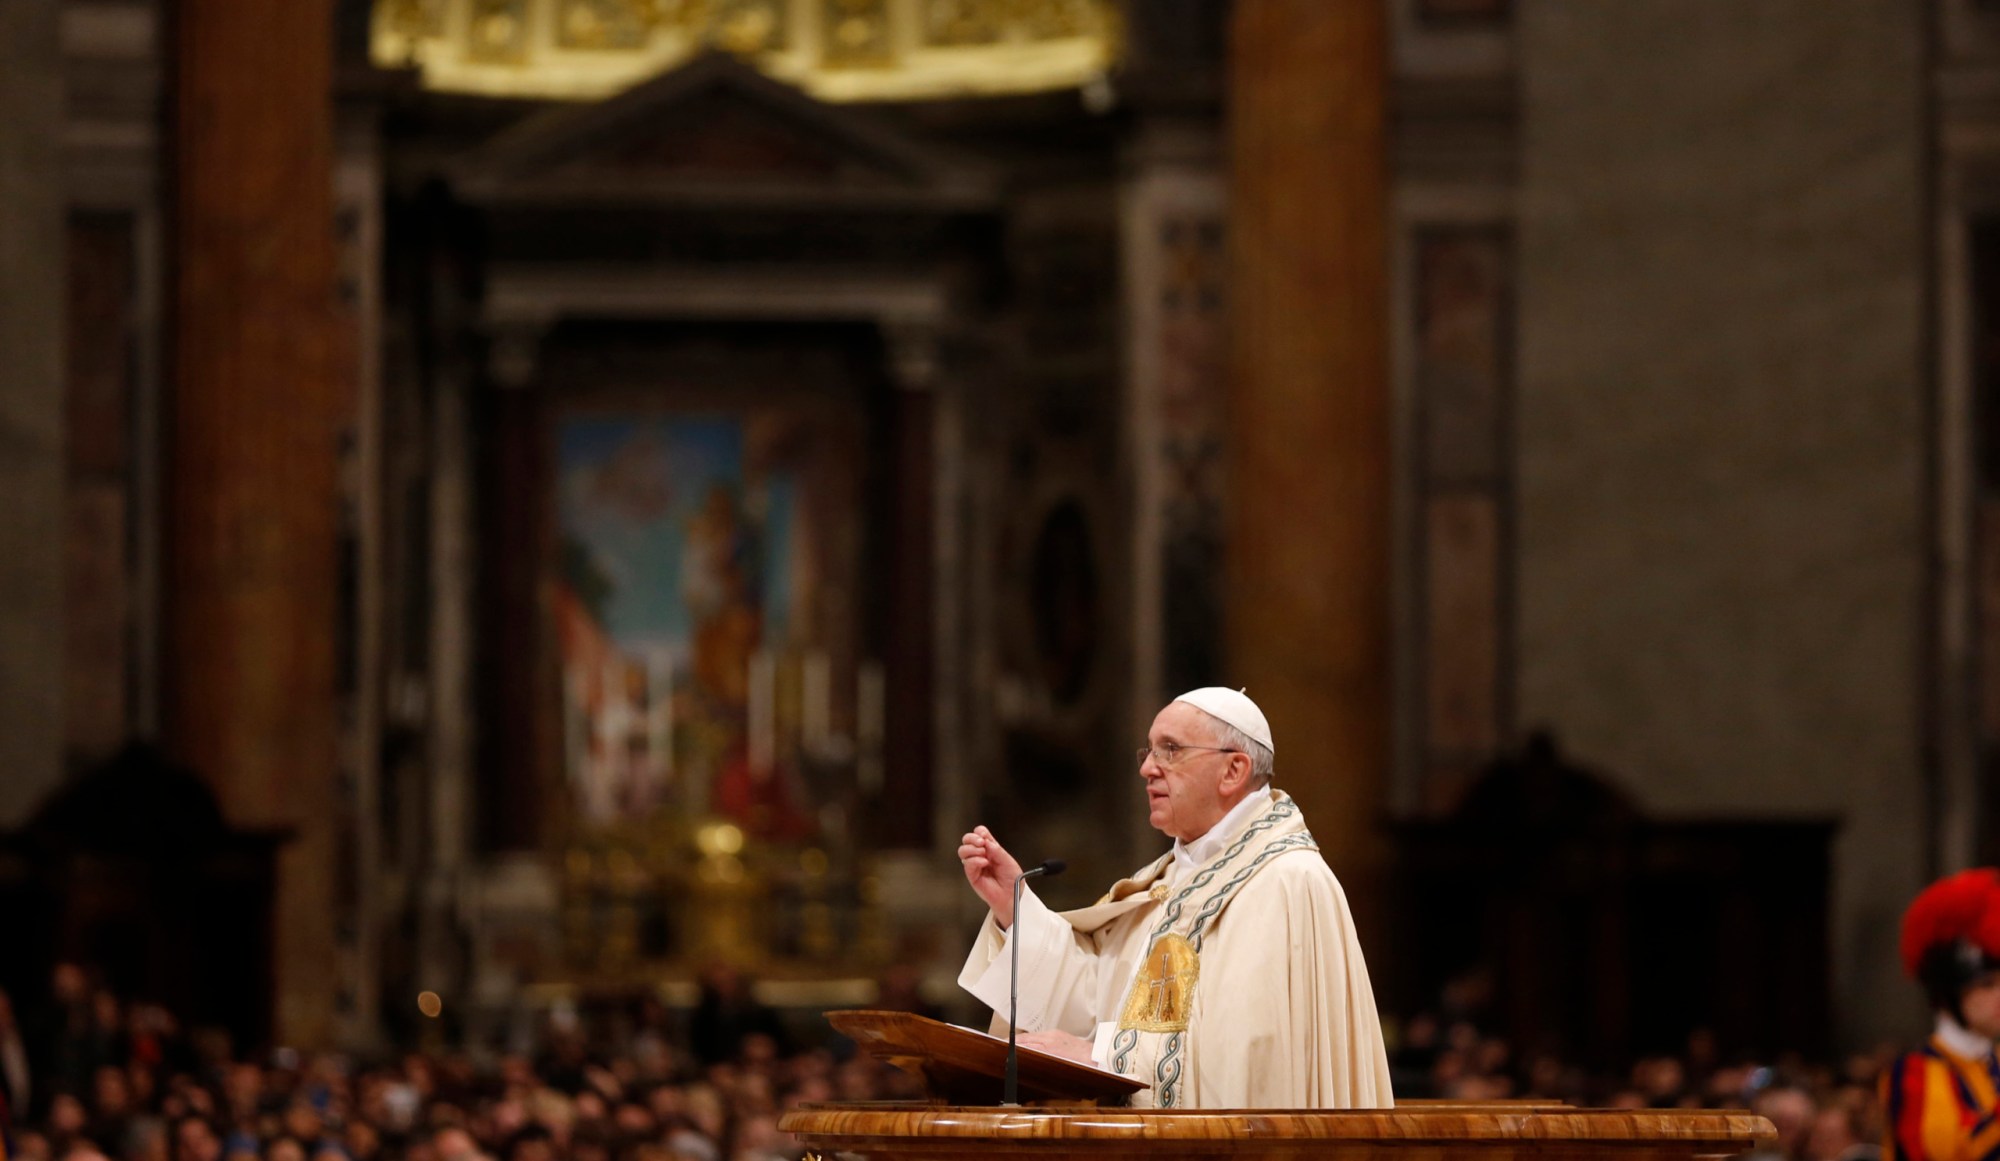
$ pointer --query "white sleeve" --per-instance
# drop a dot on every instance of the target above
(1058, 970)
(1101, 1043)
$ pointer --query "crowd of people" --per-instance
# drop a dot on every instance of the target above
(103, 1079)
(1822, 1111)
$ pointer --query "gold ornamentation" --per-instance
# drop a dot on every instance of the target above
(603, 24)
(412, 17)
(954, 22)
(1162, 995)
(748, 27)
(1159, 892)
(686, 15)
(836, 50)
(499, 31)
(857, 32)
(1053, 19)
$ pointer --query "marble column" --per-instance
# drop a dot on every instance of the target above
(31, 406)
(252, 518)
(1307, 594)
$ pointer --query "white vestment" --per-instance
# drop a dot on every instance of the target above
(1238, 984)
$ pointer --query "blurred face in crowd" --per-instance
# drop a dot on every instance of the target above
(1791, 1112)
(454, 1145)
(66, 1115)
(303, 1121)
(759, 1138)
(1981, 1005)
(113, 1098)
(68, 984)
(363, 1142)
(284, 1149)
(666, 1102)
(199, 1102)
(634, 1121)
(704, 1110)
(1832, 1135)
(508, 1117)
(242, 1085)
(195, 1141)
(604, 1082)
(759, 1049)
(810, 1091)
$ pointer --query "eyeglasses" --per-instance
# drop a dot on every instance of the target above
(1168, 753)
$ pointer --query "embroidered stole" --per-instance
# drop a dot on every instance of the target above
(1153, 1024)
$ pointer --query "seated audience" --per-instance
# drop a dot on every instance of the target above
(125, 1081)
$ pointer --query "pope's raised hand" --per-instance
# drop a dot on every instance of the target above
(991, 871)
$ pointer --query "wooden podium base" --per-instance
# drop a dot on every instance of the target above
(1430, 1131)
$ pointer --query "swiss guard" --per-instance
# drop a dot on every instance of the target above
(1941, 1100)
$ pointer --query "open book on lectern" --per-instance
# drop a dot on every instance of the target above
(962, 1066)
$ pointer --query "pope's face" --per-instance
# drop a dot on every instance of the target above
(1184, 800)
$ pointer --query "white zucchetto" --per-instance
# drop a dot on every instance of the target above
(1233, 707)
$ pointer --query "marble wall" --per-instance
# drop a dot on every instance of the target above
(1721, 439)
(31, 405)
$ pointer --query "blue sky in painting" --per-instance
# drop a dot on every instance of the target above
(629, 488)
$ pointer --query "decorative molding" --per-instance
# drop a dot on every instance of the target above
(716, 133)
(839, 50)
(517, 295)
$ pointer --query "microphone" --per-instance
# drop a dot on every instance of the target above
(1012, 1094)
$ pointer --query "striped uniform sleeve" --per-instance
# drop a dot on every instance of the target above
(1931, 1117)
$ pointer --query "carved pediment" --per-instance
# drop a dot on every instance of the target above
(714, 131)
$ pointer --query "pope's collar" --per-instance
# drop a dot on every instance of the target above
(1962, 1041)
(1192, 856)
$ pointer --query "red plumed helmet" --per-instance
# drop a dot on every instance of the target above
(1965, 906)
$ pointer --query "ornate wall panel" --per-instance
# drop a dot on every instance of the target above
(1464, 481)
(97, 660)
(1174, 288)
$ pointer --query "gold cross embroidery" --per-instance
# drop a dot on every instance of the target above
(1162, 995)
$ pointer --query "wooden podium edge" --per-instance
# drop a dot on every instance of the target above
(1477, 1127)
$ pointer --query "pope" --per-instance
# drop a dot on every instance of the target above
(1224, 974)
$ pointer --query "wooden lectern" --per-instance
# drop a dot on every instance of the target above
(961, 1067)
(1067, 1124)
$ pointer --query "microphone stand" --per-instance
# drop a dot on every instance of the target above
(1011, 1094)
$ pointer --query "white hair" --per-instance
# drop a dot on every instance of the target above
(1262, 761)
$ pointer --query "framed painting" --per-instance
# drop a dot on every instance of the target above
(704, 614)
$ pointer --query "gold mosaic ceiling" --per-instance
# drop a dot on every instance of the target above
(837, 50)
